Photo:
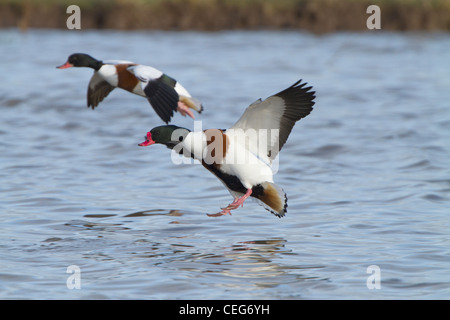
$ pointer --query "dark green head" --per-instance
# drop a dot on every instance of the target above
(81, 60)
(169, 135)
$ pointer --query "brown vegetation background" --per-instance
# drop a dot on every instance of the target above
(212, 15)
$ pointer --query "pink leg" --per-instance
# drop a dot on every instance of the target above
(234, 205)
(183, 109)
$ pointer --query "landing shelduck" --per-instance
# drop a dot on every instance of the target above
(241, 157)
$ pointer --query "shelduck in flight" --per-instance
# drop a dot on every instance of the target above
(164, 93)
(241, 157)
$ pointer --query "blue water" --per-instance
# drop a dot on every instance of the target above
(367, 174)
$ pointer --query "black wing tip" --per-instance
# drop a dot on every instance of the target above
(161, 110)
(299, 85)
(299, 92)
(296, 84)
(166, 118)
(163, 98)
(92, 105)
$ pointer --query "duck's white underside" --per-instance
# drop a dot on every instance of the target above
(247, 166)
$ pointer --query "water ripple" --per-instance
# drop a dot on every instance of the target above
(366, 174)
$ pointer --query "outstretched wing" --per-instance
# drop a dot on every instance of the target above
(277, 116)
(159, 89)
(98, 89)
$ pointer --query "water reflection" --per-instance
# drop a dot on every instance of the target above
(259, 263)
(152, 212)
(366, 176)
(255, 259)
(98, 226)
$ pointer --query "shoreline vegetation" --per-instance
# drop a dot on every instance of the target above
(318, 16)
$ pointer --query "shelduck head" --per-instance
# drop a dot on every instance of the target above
(169, 135)
(81, 60)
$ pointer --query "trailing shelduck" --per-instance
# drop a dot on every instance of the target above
(164, 93)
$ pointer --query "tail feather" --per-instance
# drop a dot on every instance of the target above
(273, 199)
(192, 103)
(187, 98)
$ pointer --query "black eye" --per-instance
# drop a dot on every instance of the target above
(180, 138)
